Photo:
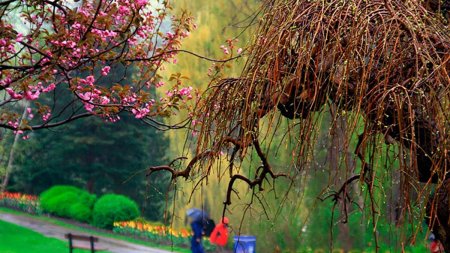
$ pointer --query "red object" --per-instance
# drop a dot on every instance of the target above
(436, 247)
(225, 220)
(219, 235)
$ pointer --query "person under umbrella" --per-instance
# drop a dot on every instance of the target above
(197, 217)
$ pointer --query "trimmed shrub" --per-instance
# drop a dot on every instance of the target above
(80, 212)
(47, 197)
(68, 201)
(111, 208)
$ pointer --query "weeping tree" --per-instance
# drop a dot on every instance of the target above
(385, 62)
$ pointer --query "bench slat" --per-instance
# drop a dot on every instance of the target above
(81, 237)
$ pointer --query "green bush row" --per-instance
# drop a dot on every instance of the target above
(77, 204)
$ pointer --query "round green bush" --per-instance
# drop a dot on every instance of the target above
(68, 201)
(61, 204)
(47, 198)
(111, 208)
(80, 212)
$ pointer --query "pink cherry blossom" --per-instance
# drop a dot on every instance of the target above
(159, 84)
(90, 79)
(185, 91)
(87, 96)
(46, 116)
(32, 95)
(14, 124)
(49, 88)
(124, 10)
(224, 49)
(140, 112)
(141, 3)
(13, 94)
(89, 107)
(19, 37)
(105, 70)
(104, 100)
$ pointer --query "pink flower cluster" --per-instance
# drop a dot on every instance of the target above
(183, 92)
(32, 93)
(105, 70)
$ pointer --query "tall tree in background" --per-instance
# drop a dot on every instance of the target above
(86, 154)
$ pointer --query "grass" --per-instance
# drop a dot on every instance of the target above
(17, 239)
(90, 231)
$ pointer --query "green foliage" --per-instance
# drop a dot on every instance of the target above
(68, 201)
(16, 239)
(111, 208)
(80, 212)
(48, 198)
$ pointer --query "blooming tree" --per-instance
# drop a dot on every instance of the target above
(57, 55)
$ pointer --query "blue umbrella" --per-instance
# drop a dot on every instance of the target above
(196, 214)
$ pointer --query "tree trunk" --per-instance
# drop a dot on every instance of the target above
(90, 185)
(10, 165)
(336, 153)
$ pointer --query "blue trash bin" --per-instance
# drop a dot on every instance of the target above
(244, 244)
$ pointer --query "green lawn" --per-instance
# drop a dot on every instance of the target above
(16, 239)
(93, 232)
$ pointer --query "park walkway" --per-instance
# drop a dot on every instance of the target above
(51, 230)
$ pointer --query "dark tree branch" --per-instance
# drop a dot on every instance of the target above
(6, 3)
(55, 4)
(48, 125)
(97, 11)
(158, 56)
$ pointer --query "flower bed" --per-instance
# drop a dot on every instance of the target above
(23, 202)
(157, 233)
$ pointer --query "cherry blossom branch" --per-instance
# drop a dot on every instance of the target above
(83, 45)
(48, 125)
(55, 4)
(6, 3)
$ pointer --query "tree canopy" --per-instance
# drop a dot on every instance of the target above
(75, 45)
(382, 63)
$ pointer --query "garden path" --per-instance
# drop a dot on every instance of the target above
(51, 230)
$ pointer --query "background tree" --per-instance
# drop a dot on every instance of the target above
(87, 155)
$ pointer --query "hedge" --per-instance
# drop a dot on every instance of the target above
(111, 208)
(68, 201)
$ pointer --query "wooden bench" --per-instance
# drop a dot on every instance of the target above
(84, 238)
